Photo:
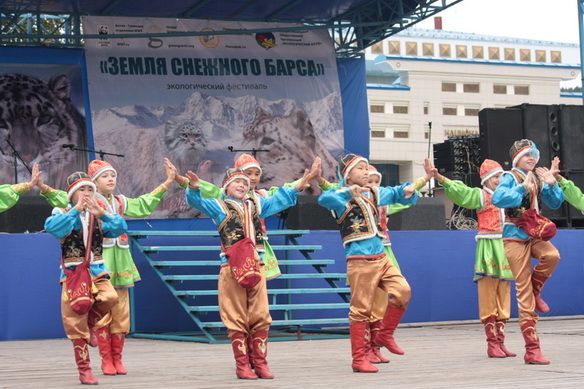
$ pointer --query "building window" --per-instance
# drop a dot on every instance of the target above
(461, 51)
(555, 56)
(444, 50)
(471, 111)
(377, 48)
(539, 55)
(428, 49)
(471, 88)
(378, 133)
(401, 134)
(426, 108)
(449, 111)
(478, 52)
(411, 48)
(521, 90)
(500, 89)
(494, 53)
(400, 109)
(509, 54)
(377, 108)
(448, 87)
(394, 47)
(525, 55)
(426, 131)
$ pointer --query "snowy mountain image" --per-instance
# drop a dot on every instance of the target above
(196, 136)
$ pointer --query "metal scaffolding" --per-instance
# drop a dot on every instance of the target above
(23, 23)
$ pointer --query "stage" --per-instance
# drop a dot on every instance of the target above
(444, 355)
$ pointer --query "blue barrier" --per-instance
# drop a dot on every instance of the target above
(437, 264)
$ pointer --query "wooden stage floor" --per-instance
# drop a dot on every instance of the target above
(437, 356)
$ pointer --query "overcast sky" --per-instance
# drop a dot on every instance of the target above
(551, 20)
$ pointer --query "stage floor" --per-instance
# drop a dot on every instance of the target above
(438, 356)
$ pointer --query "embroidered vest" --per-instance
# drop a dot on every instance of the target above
(117, 206)
(360, 220)
(383, 225)
(73, 247)
(512, 214)
(490, 218)
(234, 227)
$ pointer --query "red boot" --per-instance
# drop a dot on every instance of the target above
(375, 351)
(92, 338)
(239, 345)
(105, 350)
(250, 350)
(537, 281)
(83, 364)
(259, 353)
(118, 341)
(360, 337)
(389, 323)
(500, 326)
(493, 349)
(533, 355)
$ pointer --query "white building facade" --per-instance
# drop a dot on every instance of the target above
(419, 79)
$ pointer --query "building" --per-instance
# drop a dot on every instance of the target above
(421, 80)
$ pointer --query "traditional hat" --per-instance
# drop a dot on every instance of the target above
(246, 161)
(489, 168)
(232, 175)
(98, 167)
(523, 147)
(373, 172)
(76, 181)
(347, 163)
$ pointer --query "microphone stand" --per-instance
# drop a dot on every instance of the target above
(254, 151)
(101, 153)
(430, 192)
(17, 157)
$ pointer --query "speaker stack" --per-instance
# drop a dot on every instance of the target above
(557, 130)
(459, 159)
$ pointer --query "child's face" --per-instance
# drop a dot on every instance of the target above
(527, 162)
(254, 175)
(359, 175)
(106, 182)
(374, 180)
(237, 189)
(493, 182)
(83, 192)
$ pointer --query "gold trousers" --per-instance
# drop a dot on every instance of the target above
(494, 298)
(243, 310)
(365, 276)
(519, 254)
(120, 312)
(76, 326)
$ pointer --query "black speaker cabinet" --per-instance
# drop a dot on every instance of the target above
(541, 125)
(307, 214)
(571, 121)
(427, 214)
(29, 214)
(499, 128)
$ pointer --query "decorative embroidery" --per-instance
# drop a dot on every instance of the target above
(83, 352)
(241, 346)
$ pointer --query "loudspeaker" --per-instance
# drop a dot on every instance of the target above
(444, 157)
(571, 122)
(307, 214)
(541, 125)
(427, 214)
(29, 214)
(498, 129)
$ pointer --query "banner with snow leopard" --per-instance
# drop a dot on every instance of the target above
(192, 98)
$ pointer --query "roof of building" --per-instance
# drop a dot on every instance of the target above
(466, 36)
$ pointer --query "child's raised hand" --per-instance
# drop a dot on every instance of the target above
(193, 180)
